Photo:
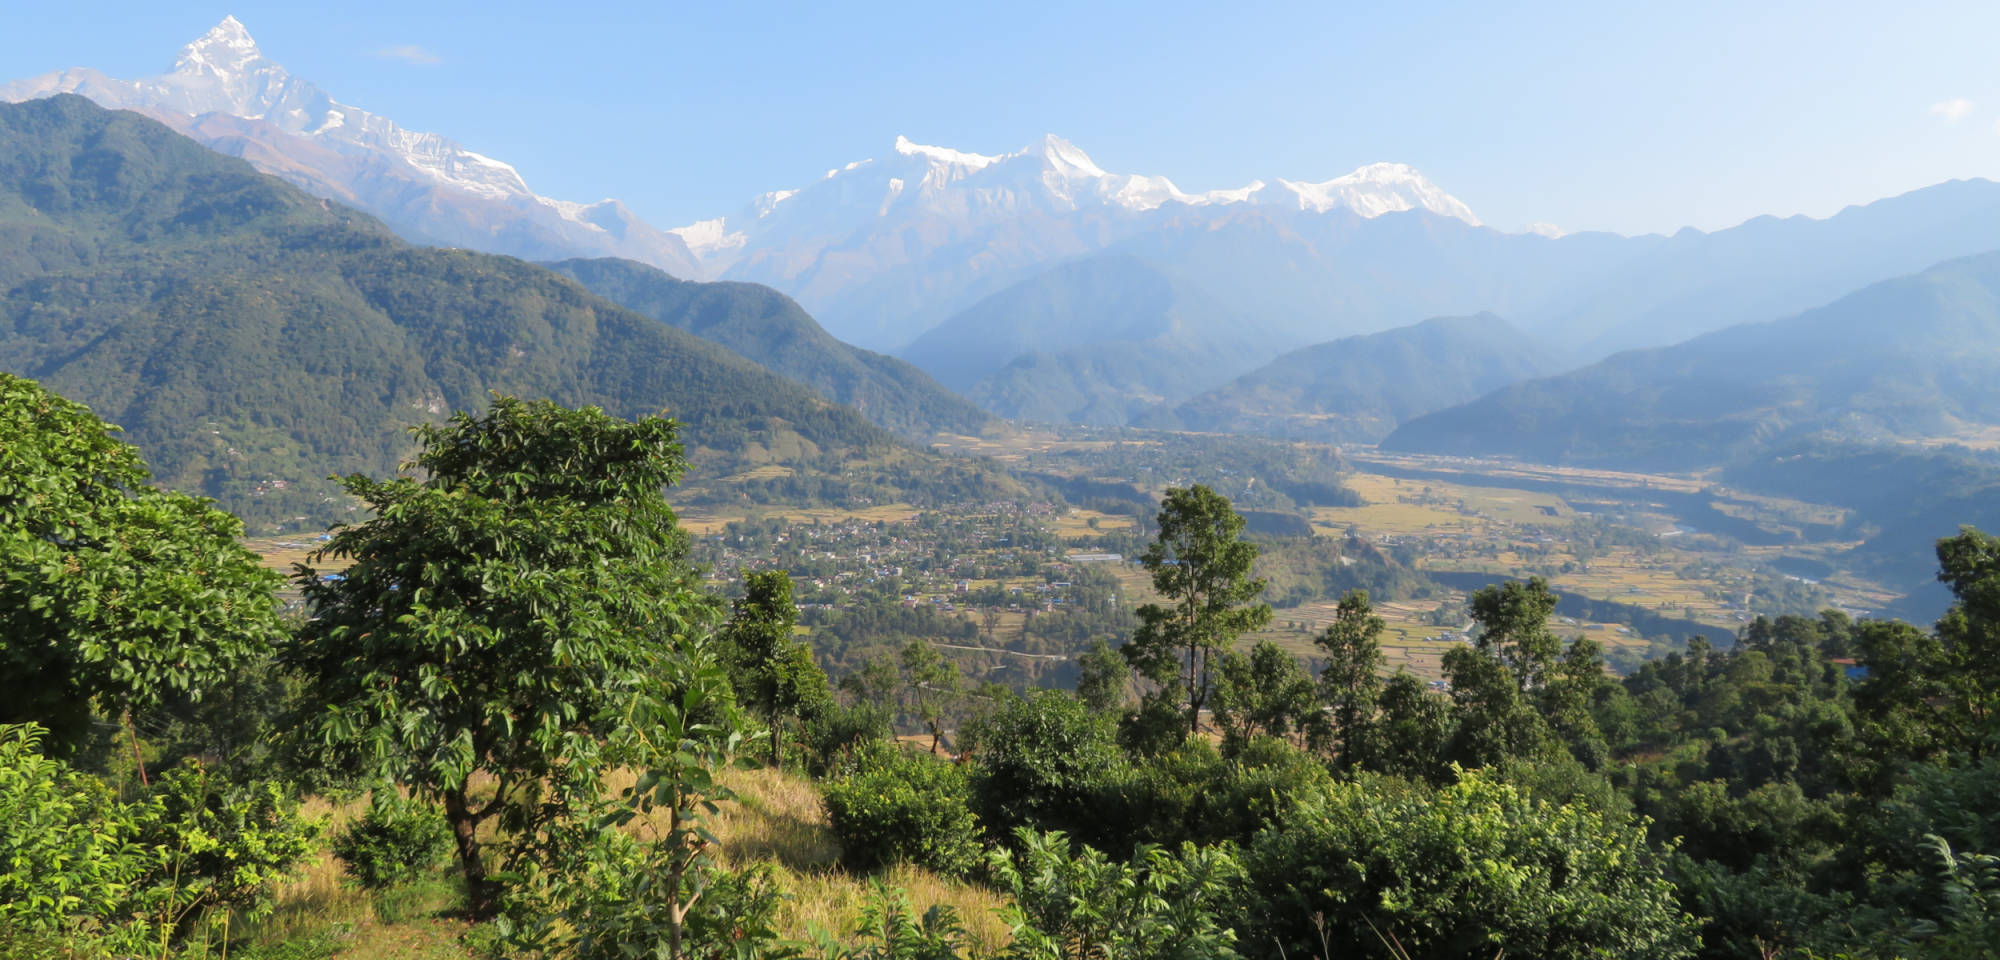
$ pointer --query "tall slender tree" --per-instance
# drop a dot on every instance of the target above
(1201, 564)
(773, 673)
(1350, 685)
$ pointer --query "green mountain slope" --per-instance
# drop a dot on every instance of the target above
(1913, 357)
(252, 339)
(1360, 388)
(768, 327)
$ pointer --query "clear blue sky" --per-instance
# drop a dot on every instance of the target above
(1586, 115)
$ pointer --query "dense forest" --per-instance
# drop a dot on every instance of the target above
(519, 688)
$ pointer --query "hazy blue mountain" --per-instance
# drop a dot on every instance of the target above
(253, 339)
(1152, 340)
(1360, 388)
(766, 326)
(1913, 357)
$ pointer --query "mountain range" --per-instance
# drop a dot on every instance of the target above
(1045, 287)
(769, 328)
(252, 339)
(223, 92)
(1916, 357)
(1358, 389)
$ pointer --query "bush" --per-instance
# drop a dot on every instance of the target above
(393, 843)
(133, 877)
(1462, 871)
(1042, 763)
(900, 806)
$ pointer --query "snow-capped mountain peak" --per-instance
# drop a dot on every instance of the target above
(363, 158)
(1052, 176)
(1376, 189)
(942, 155)
(225, 51)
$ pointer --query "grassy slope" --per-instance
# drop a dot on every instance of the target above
(777, 820)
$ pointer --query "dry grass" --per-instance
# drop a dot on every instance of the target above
(778, 819)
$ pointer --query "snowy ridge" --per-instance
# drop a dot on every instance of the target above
(1051, 176)
(224, 72)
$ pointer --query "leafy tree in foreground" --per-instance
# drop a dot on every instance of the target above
(1201, 565)
(772, 671)
(502, 615)
(111, 592)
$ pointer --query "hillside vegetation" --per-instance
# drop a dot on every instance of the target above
(253, 339)
(768, 327)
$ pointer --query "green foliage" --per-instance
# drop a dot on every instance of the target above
(1469, 869)
(772, 671)
(931, 686)
(111, 592)
(766, 326)
(1084, 906)
(1039, 761)
(633, 877)
(1201, 565)
(502, 615)
(1265, 694)
(137, 876)
(394, 842)
(1102, 678)
(887, 931)
(903, 807)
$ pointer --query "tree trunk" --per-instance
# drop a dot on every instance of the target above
(777, 755)
(481, 893)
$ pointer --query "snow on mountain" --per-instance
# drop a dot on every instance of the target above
(471, 199)
(1050, 176)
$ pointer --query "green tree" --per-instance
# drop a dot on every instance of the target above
(1201, 565)
(1102, 677)
(1513, 622)
(932, 685)
(773, 672)
(1266, 692)
(502, 615)
(1415, 729)
(1350, 685)
(112, 594)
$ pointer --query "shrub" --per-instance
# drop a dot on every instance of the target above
(1042, 761)
(393, 843)
(900, 806)
(1463, 871)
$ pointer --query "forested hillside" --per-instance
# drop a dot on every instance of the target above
(769, 328)
(254, 340)
(1915, 357)
(1361, 388)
